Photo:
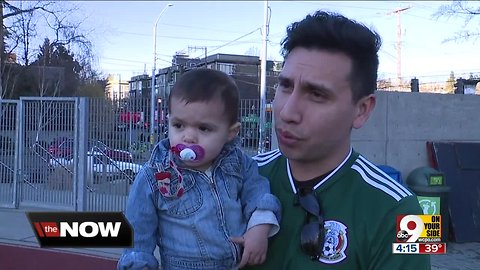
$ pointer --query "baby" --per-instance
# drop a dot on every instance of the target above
(199, 198)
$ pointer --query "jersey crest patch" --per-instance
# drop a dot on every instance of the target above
(335, 242)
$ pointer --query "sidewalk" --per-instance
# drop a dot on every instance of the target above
(16, 230)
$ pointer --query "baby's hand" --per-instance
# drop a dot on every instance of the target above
(255, 243)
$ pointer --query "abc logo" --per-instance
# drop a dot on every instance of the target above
(402, 236)
(411, 226)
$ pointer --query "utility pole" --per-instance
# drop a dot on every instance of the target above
(263, 81)
(119, 89)
(398, 12)
(194, 48)
(2, 38)
(153, 94)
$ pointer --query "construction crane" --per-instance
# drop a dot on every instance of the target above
(398, 12)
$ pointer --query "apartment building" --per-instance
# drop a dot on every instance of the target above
(117, 87)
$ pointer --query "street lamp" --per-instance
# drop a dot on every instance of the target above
(152, 94)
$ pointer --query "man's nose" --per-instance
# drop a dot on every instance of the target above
(290, 110)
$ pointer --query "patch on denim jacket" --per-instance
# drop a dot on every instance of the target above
(166, 186)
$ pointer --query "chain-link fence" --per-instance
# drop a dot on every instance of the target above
(8, 128)
(83, 153)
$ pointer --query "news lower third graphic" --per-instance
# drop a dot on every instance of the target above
(419, 234)
(81, 229)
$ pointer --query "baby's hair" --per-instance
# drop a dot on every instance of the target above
(203, 85)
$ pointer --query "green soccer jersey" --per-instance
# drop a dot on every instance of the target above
(359, 203)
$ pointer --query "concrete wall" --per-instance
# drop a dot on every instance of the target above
(402, 123)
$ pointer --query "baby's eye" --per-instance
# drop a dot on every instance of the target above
(204, 129)
(176, 125)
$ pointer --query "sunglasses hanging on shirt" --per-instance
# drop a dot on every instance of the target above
(313, 232)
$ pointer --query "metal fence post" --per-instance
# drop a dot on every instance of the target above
(19, 151)
(81, 149)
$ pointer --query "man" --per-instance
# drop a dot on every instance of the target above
(339, 209)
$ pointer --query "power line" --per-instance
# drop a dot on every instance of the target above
(202, 28)
(216, 47)
(172, 37)
(226, 44)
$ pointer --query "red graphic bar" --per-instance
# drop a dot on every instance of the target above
(432, 248)
(39, 229)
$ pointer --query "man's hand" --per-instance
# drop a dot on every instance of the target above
(255, 244)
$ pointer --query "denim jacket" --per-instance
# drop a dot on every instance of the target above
(192, 230)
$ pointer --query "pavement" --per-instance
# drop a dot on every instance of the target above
(15, 230)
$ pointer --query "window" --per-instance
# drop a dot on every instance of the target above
(227, 68)
(161, 80)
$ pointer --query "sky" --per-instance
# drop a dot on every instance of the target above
(123, 33)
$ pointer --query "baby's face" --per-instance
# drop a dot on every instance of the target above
(202, 123)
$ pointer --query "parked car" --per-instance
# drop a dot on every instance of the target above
(63, 148)
(99, 165)
(115, 154)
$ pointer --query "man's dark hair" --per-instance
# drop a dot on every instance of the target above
(203, 85)
(336, 33)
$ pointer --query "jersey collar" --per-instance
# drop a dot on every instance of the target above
(292, 182)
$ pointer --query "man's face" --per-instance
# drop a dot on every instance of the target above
(202, 123)
(313, 107)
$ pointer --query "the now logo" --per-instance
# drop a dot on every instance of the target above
(76, 229)
(81, 229)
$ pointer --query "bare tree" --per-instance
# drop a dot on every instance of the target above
(29, 22)
(24, 24)
(21, 31)
(57, 24)
(469, 11)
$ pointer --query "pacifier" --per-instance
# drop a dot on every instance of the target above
(189, 153)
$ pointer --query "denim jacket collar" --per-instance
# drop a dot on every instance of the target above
(162, 154)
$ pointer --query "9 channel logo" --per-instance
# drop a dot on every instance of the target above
(409, 228)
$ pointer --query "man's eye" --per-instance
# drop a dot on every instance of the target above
(283, 84)
(318, 95)
(177, 125)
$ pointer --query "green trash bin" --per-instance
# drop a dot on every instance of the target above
(432, 194)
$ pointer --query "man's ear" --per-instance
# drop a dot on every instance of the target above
(364, 107)
(233, 131)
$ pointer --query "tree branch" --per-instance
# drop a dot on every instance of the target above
(17, 11)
